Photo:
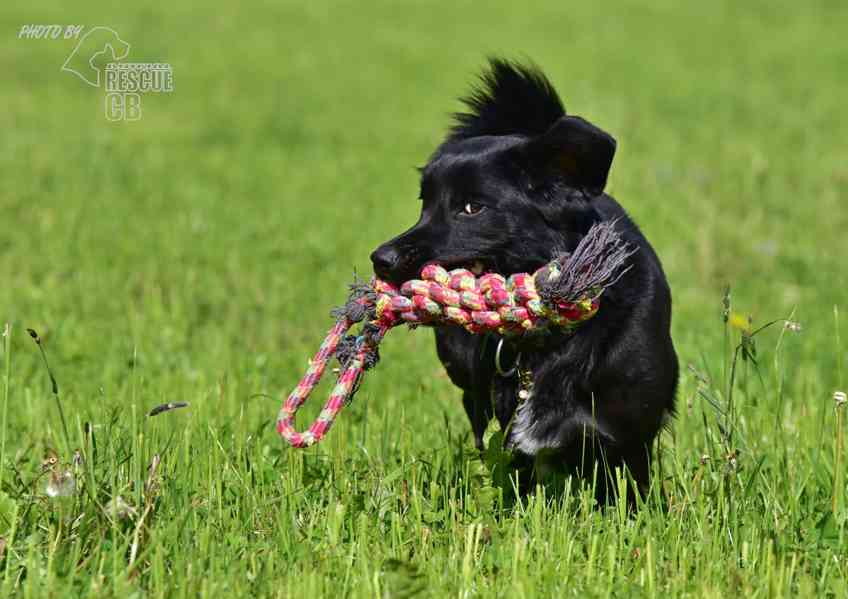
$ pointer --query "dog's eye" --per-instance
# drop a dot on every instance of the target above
(472, 208)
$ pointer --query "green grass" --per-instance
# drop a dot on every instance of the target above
(194, 255)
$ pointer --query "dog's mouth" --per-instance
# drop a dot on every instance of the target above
(475, 266)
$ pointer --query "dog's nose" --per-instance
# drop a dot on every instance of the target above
(385, 259)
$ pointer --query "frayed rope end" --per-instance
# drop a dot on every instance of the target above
(360, 303)
(597, 263)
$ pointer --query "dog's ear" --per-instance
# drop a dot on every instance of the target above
(572, 150)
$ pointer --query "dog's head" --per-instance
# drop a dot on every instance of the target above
(512, 184)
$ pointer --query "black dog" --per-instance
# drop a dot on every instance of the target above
(515, 183)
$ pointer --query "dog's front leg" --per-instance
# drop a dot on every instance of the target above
(469, 361)
(478, 406)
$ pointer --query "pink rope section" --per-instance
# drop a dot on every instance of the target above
(490, 303)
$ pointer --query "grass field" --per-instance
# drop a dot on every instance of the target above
(193, 256)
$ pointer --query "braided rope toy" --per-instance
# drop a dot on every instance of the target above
(558, 297)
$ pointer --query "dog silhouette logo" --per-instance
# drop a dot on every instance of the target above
(98, 47)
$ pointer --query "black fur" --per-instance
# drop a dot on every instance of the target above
(532, 179)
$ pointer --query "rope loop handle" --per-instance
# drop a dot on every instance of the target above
(346, 385)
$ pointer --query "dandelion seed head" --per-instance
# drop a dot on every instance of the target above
(792, 326)
(120, 509)
(61, 484)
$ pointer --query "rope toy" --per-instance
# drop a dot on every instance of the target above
(558, 297)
